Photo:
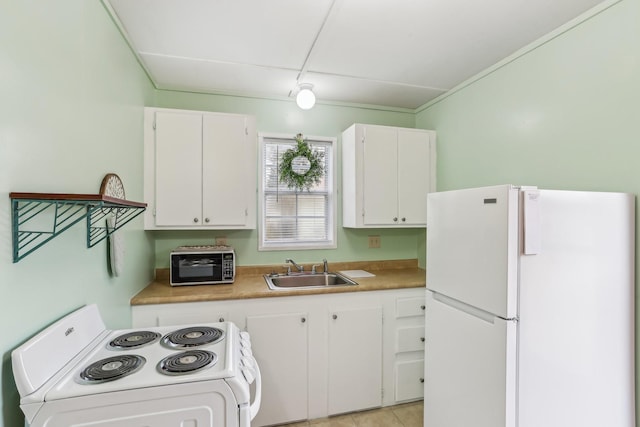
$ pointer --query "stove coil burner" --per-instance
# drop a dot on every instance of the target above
(112, 368)
(133, 340)
(187, 362)
(193, 337)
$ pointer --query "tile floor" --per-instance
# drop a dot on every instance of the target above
(406, 415)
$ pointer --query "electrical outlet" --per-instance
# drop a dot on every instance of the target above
(374, 242)
(221, 240)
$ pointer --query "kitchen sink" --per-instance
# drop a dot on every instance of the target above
(307, 280)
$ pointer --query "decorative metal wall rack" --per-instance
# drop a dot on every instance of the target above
(39, 217)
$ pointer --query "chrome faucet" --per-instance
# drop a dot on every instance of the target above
(326, 265)
(299, 267)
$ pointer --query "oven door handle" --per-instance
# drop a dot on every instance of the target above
(255, 406)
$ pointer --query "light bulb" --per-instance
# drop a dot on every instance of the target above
(305, 97)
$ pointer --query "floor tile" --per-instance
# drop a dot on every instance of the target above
(410, 415)
(378, 418)
(300, 424)
(405, 415)
(339, 421)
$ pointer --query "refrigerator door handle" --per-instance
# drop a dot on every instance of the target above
(531, 222)
(466, 308)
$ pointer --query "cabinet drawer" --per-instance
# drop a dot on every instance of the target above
(409, 380)
(410, 339)
(406, 307)
(170, 319)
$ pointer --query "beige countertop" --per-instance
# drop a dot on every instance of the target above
(249, 283)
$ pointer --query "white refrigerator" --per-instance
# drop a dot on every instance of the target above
(529, 308)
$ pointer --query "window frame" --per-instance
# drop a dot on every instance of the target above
(332, 213)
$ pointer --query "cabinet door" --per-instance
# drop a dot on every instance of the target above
(414, 173)
(279, 344)
(380, 176)
(409, 380)
(355, 360)
(178, 168)
(229, 164)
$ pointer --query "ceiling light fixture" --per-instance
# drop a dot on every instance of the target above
(305, 97)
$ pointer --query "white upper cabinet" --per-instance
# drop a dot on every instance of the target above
(200, 170)
(386, 175)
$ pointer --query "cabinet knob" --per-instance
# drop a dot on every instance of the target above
(195, 220)
(422, 380)
(395, 219)
(221, 319)
(206, 220)
(422, 307)
(335, 316)
(404, 219)
(422, 339)
(304, 319)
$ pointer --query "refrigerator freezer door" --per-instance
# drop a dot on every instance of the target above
(576, 313)
(472, 247)
(470, 366)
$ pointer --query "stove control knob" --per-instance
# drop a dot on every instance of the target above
(249, 374)
(247, 362)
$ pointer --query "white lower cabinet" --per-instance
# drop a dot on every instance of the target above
(355, 360)
(319, 355)
(409, 348)
(280, 344)
(409, 380)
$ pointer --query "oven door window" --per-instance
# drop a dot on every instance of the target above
(196, 268)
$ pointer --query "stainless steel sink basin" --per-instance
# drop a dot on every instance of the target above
(307, 280)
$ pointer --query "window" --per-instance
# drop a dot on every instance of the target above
(292, 219)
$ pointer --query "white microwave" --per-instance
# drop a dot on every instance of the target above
(202, 265)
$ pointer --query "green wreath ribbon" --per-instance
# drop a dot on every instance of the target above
(293, 167)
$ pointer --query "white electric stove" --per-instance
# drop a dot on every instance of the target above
(77, 373)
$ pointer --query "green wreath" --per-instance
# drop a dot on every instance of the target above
(301, 167)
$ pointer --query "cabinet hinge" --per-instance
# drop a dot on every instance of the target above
(154, 124)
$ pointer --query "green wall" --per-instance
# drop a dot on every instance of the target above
(283, 116)
(564, 115)
(71, 98)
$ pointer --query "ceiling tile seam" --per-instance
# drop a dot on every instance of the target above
(234, 94)
(329, 16)
(386, 82)
(215, 61)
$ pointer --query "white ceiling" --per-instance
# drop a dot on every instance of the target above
(392, 53)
